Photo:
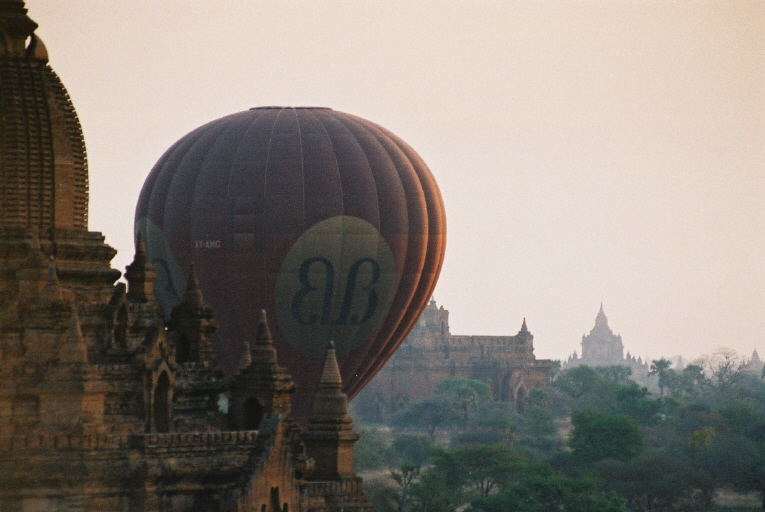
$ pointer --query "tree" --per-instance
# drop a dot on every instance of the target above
(437, 491)
(464, 394)
(411, 450)
(480, 469)
(578, 381)
(405, 477)
(428, 414)
(539, 398)
(550, 398)
(369, 452)
(597, 435)
(634, 401)
(694, 416)
(724, 365)
(658, 483)
(739, 461)
(538, 489)
(616, 373)
(457, 386)
(383, 497)
(493, 422)
(739, 417)
(701, 439)
(674, 382)
(660, 368)
(693, 378)
(751, 472)
(589, 388)
(538, 437)
(539, 423)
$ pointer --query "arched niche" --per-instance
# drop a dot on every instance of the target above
(183, 349)
(520, 399)
(252, 414)
(505, 392)
(161, 403)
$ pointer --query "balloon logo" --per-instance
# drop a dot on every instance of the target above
(327, 221)
(336, 284)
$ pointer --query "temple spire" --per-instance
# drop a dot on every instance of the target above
(193, 294)
(15, 22)
(140, 275)
(246, 360)
(330, 437)
(261, 387)
(44, 182)
(17, 31)
(524, 328)
(263, 349)
(193, 302)
(330, 374)
(601, 318)
(193, 325)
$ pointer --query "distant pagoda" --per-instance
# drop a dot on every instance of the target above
(601, 347)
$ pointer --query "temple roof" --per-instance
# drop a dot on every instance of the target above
(43, 169)
(601, 318)
(524, 328)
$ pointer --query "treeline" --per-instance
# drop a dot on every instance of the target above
(592, 441)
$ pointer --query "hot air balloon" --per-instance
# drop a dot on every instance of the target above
(329, 222)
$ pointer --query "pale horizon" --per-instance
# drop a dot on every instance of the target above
(586, 151)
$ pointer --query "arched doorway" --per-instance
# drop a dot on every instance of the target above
(252, 413)
(504, 390)
(183, 349)
(162, 404)
(275, 499)
(520, 399)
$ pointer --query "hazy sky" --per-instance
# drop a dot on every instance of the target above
(587, 151)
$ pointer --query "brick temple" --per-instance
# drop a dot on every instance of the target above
(431, 354)
(104, 404)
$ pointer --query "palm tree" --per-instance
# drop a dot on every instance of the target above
(661, 368)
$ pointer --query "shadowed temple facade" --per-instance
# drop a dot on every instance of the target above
(431, 354)
(106, 405)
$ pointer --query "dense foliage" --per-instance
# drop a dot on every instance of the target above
(592, 441)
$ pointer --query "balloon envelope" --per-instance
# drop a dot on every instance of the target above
(327, 221)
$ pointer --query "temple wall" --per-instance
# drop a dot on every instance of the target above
(431, 354)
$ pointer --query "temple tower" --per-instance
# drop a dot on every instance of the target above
(262, 387)
(601, 347)
(330, 436)
(43, 168)
(333, 485)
